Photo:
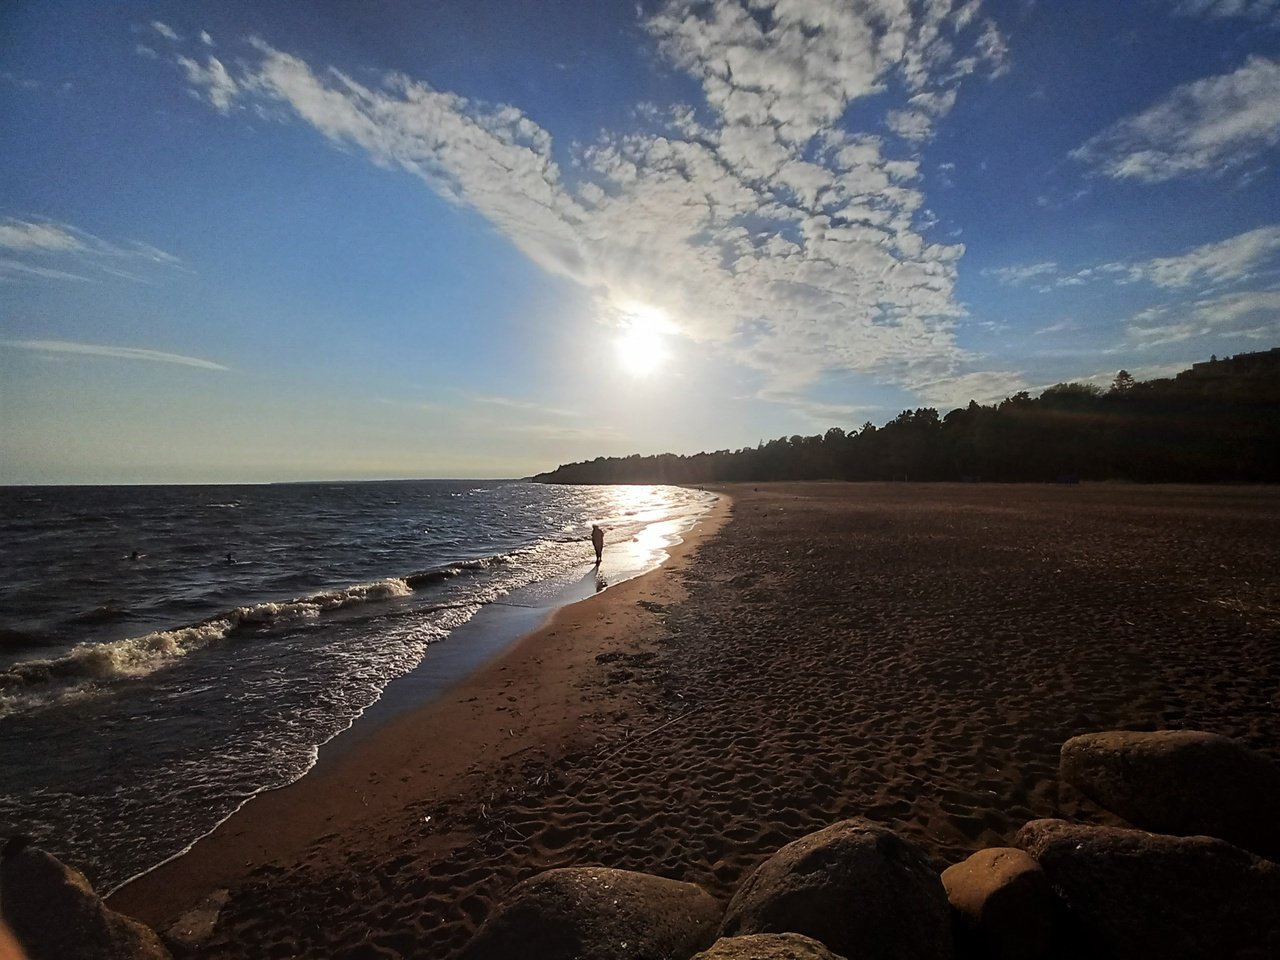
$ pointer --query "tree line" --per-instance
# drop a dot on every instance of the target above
(1216, 421)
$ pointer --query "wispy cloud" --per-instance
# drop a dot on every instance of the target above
(527, 406)
(1260, 11)
(165, 31)
(17, 270)
(1202, 128)
(1227, 261)
(27, 235)
(75, 254)
(24, 82)
(760, 222)
(1019, 274)
(984, 386)
(105, 350)
(1235, 260)
(1062, 326)
(1251, 316)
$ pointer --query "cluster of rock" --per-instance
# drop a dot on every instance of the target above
(1196, 878)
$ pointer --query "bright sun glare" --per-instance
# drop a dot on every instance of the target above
(641, 350)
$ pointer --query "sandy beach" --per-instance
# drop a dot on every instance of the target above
(915, 654)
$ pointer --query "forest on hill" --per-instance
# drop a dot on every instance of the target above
(1218, 421)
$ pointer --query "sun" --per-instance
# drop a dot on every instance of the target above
(641, 350)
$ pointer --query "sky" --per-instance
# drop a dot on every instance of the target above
(246, 242)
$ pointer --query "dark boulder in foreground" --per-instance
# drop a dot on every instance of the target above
(1003, 904)
(1138, 895)
(859, 888)
(55, 914)
(767, 946)
(1182, 782)
(594, 913)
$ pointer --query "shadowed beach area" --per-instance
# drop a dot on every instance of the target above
(913, 654)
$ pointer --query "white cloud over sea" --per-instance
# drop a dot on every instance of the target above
(757, 220)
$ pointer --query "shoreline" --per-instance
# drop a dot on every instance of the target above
(464, 727)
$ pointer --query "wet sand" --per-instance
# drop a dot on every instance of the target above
(911, 653)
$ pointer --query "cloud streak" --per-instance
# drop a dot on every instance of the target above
(54, 347)
(1203, 128)
(1237, 259)
(77, 254)
(1252, 316)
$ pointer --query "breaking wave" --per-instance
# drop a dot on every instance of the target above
(27, 683)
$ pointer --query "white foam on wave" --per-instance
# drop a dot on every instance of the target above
(28, 684)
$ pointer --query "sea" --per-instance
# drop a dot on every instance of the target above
(168, 652)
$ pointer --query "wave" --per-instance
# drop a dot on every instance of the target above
(23, 683)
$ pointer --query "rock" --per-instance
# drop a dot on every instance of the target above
(55, 914)
(1182, 782)
(857, 887)
(196, 926)
(594, 913)
(767, 946)
(1137, 895)
(1003, 904)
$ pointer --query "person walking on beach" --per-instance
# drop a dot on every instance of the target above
(597, 541)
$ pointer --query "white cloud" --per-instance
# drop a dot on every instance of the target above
(16, 269)
(1227, 261)
(165, 31)
(984, 386)
(117, 353)
(1234, 260)
(28, 235)
(1206, 128)
(1262, 11)
(68, 246)
(1253, 315)
(206, 39)
(1062, 326)
(769, 228)
(212, 78)
(1019, 274)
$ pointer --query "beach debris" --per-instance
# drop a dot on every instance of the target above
(585, 913)
(857, 887)
(1182, 782)
(767, 946)
(54, 913)
(1003, 904)
(1142, 895)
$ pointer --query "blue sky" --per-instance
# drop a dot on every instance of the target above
(246, 241)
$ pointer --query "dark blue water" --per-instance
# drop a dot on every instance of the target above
(149, 683)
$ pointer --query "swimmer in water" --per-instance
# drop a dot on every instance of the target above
(230, 560)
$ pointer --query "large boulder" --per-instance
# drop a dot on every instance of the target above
(594, 913)
(1002, 903)
(1138, 895)
(55, 915)
(767, 946)
(1182, 782)
(859, 888)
